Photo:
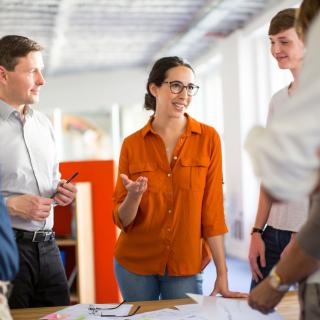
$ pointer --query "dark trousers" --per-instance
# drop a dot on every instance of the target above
(309, 298)
(41, 280)
(275, 241)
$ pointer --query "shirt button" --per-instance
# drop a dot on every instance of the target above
(168, 229)
(168, 247)
(169, 174)
(169, 211)
(175, 158)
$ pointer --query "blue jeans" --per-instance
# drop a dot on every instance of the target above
(135, 287)
(275, 241)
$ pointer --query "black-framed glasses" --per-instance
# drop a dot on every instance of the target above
(177, 87)
(97, 311)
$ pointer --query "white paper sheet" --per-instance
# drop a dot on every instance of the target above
(81, 312)
(230, 309)
(192, 307)
(170, 314)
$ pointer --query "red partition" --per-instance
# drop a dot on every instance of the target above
(100, 174)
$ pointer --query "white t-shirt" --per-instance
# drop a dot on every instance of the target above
(287, 215)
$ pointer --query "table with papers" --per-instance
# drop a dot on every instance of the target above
(186, 309)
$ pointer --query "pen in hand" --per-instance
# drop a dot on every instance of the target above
(69, 180)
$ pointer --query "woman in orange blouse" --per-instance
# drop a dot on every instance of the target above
(168, 197)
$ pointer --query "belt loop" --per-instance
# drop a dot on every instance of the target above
(34, 237)
(16, 234)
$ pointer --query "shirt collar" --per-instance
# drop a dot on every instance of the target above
(193, 126)
(6, 110)
(147, 128)
(27, 110)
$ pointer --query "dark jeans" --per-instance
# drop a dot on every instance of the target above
(275, 241)
(41, 280)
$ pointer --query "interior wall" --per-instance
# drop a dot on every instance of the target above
(95, 91)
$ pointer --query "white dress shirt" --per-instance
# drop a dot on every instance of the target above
(28, 159)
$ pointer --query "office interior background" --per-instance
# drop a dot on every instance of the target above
(98, 54)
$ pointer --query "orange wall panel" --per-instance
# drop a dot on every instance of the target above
(100, 173)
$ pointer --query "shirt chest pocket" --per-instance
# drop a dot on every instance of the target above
(146, 169)
(192, 173)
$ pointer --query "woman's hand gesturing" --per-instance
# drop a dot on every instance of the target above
(135, 188)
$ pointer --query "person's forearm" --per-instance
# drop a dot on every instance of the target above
(289, 268)
(217, 250)
(264, 207)
(128, 209)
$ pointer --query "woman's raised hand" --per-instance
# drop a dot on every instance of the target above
(137, 187)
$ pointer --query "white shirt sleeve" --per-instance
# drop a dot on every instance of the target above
(284, 155)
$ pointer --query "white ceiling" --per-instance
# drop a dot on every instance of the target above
(93, 35)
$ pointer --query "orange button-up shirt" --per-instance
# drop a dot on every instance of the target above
(182, 205)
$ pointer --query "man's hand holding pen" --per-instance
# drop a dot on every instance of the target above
(65, 193)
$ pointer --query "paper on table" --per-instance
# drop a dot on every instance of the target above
(81, 312)
(169, 314)
(230, 309)
(191, 307)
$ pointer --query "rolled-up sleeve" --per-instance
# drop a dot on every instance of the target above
(120, 191)
(213, 219)
(287, 167)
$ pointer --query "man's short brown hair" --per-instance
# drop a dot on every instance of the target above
(282, 21)
(13, 47)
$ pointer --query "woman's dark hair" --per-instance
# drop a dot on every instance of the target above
(158, 74)
(282, 21)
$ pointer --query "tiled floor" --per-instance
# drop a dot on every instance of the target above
(239, 276)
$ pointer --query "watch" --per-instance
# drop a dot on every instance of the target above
(256, 230)
(275, 281)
